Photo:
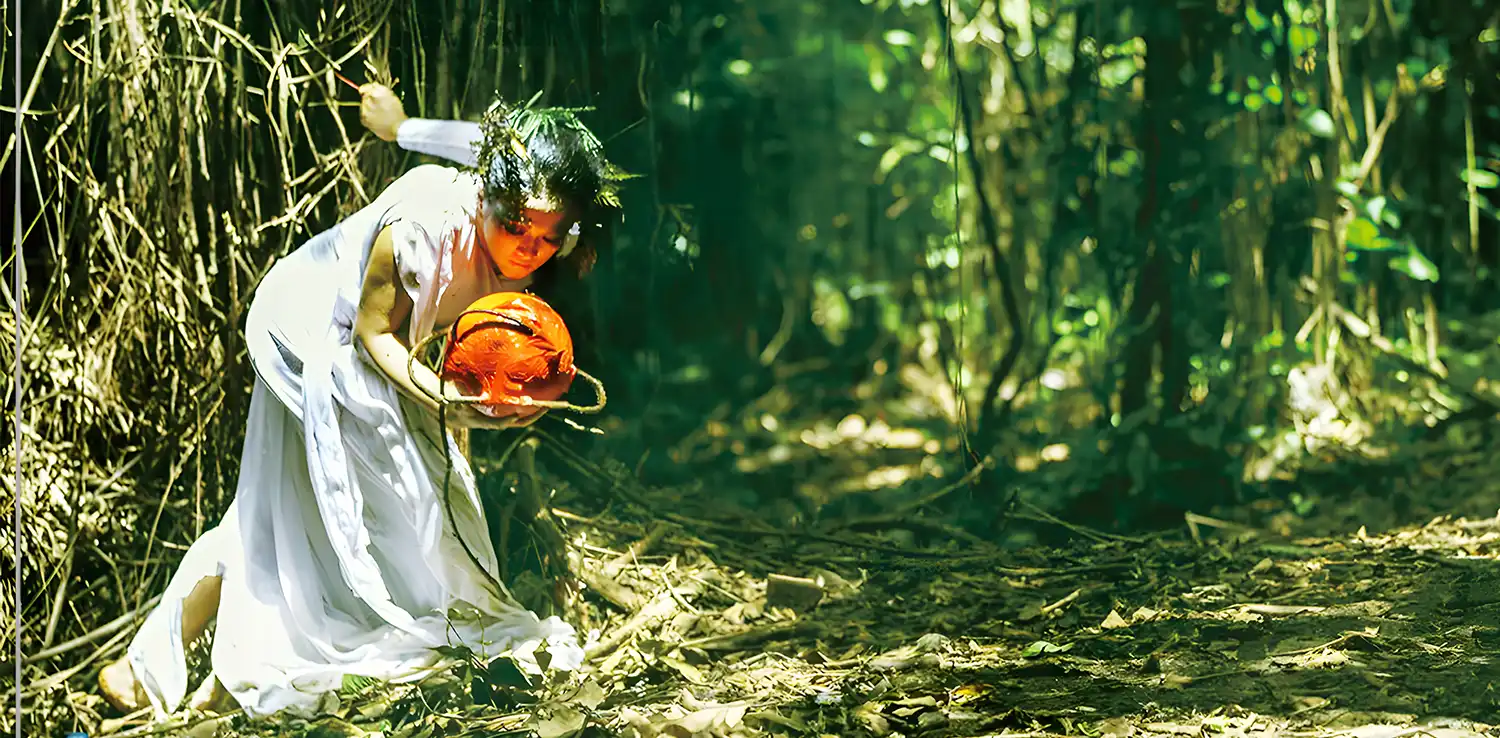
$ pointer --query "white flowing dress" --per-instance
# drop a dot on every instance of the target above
(338, 556)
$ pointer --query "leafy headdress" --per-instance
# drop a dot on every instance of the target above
(547, 152)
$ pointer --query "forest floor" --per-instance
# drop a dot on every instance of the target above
(1273, 624)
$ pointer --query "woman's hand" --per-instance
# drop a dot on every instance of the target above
(470, 416)
(521, 421)
(462, 410)
(380, 110)
(382, 311)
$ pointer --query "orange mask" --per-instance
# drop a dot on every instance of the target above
(507, 348)
(521, 247)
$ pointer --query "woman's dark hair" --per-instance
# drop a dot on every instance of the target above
(549, 152)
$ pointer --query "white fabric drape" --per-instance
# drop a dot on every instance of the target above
(454, 140)
(338, 556)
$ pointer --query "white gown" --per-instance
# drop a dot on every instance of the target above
(337, 555)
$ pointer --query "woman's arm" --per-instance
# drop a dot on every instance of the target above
(383, 307)
(381, 112)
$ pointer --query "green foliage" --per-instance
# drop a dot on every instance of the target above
(501, 684)
(1267, 171)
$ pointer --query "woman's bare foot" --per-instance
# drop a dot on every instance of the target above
(211, 697)
(117, 682)
(120, 688)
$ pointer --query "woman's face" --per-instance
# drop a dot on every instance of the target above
(519, 248)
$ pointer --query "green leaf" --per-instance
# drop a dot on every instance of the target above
(895, 154)
(1416, 265)
(565, 721)
(458, 653)
(1481, 178)
(1038, 648)
(332, 727)
(1346, 188)
(898, 37)
(878, 78)
(503, 672)
(1117, 71)
(1318, 122)
(1364, 235)
(589, 695)
(1254, 101)
(1379, 212)
(354, 685)
(1257, 21)
(1301, 38)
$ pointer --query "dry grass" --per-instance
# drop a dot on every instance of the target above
(181, 148)
(173, 151)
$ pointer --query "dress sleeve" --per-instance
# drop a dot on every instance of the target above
(454, 140)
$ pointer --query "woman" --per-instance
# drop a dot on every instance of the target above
(338, 555)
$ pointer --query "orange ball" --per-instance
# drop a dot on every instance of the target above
(508, 346)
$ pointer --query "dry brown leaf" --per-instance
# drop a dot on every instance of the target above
(1032, 611)
(688, 671)
(589, 695)
(711, 721)
(565, 721)
(872, 720)
(1118, 727)
(772, 716)
(1143, 615)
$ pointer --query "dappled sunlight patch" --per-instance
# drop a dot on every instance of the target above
(1323, 658)
(882, 478)
(701, 628)
(1458, 537)
(856, 430)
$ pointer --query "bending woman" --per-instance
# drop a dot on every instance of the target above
(338, 555)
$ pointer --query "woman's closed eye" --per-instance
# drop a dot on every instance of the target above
(514, 229)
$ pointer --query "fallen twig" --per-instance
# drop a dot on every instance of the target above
(87, 638)
(1064, 602)
(901, 512)
(746, 638)
(1042, 515)
(186, 724)
(660, 608)
(636, 550)
(42, 685)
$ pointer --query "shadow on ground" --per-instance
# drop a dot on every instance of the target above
(723, 627)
